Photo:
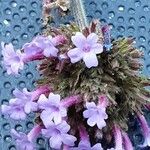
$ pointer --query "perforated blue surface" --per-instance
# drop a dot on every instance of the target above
(20, 22)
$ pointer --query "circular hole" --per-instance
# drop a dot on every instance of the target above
(25, 20)
(7, 11)
(24, 36)
(17, 28)
(131, 29)
(131, 11)
(141, 29)
(93, 4)
(4, 102)
(143, 19)
(22, 84)
(142, 39)
(16, 16)
(132, 20)
(32, 13)
(34, 4)
(6, 126)
(137, 3)
(29, 75)
(30, 125)
(15, 41)
(40, 141)
(22, 8)
(13, 3)
(18, 127)
(121, 29)
(31, 29)
(121, 8)
(12, 147)
(104, 5)
(146, 8)
(111, 15)
(7, 34)
(7, 85)
(8, 138)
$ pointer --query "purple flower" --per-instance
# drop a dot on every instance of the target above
(41, 45)
(145, 129)
(13, 61)
(52, 108)
(86, 49)
(15, 109)
(96, 115)
(57, 135)
(21, 105)
(127, 142)
(25, 142)
(118, 139)
(85, 145)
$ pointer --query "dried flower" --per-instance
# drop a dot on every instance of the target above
(86, 49)
(96, 114)
(13, 61)
(52, 108)
(57, 135)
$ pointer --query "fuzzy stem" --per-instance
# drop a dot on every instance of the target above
(127, 142)
(78, 11)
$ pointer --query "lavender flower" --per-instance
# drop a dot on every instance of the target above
(25, 142)
(23, 103)
(86, 49)
(41, 45)
(13, 61)
(52, 108)
(96, 115)
(145, 129)
(15, 109)
(58, 135)
(118, 139)
(127, 142)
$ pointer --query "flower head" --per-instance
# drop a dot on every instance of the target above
(21, 105)
(57, 135)
(86, 49)
(145, 129)
(41, 44)
(25, 142)
(52, 108)
(22, 141)
(13, 61)
(96, 115)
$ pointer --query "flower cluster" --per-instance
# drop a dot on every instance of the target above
(86, 90)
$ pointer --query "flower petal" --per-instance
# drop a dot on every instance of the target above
(90, 60)
(97, 48)
(75, 55)
(91, 121)
(68, 139)
(55, 142)
(79, 40)
(92, 38)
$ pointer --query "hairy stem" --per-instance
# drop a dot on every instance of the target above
(78, 11)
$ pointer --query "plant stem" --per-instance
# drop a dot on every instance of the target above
(78, 11)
